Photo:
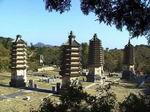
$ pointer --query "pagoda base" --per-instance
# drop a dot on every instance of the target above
(65, 81)
(17, 83)
(90, 78)
(127, 75)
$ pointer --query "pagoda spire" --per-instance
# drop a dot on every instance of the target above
(95, 35)
(71, 37)
(129, 41)
(18, 37)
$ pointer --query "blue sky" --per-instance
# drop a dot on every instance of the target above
(30, 19)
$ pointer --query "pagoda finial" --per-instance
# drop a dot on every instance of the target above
(18, 37)
(71, 36)
(95, 35)
(71, 32)
(129, 42)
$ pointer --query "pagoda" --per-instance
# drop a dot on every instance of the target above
(70, 61)
(18, 63)
(41, 60)
(95, 59)
(128, 61)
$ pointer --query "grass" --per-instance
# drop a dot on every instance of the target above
(4, 84)
(92, 92)
(41, 84)
(86, 84)
(122, 92)
(19, 105)
(4, 78)
(7, 90)
(50, 73)
(12, 105)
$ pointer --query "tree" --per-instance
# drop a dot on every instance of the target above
(74, 99)
(84, 56)
(134, 103)
(109, 63)
(113, 60)
(5, 44)
(142, 58)
(132, 14)
(47, 106)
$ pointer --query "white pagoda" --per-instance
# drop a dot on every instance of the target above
(18, 63)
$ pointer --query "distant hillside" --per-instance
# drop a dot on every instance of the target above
(6, 41)
(40, 44)
(5, 38)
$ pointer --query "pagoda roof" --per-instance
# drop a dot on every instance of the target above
(129, 44)
(19, 39)
(95, 38)
(71, 41)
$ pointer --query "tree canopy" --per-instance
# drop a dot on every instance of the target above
(75, 99)
(134, 15)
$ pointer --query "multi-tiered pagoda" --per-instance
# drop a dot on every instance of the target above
(128, 61)
(95, 59)
(41, 60)
(129, 55)
(18, 63)
(70, 61)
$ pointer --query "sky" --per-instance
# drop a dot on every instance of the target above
(30, 19)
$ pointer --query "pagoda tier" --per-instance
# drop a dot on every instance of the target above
(128, 61)
(129, 54)
(18, 63)
(70, 60)
(95, 57)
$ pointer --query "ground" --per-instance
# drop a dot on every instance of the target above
(13, 99)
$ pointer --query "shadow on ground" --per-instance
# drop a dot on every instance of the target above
(27, 88)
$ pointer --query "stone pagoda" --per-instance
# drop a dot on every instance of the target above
(128, 61)
(18, 63)
(41, 60)
(95, 59)
(70, 61)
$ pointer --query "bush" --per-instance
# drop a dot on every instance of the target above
(134, 103)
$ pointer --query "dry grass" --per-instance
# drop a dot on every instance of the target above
(84, 84)
(18, 104)
(123, 90)
(7, 90)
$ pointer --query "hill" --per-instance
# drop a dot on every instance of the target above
(40, 44)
